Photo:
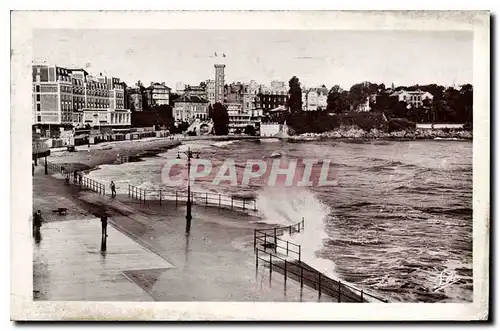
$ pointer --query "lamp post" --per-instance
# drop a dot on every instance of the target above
(190, 154)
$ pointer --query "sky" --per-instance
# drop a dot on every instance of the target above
(329, 57)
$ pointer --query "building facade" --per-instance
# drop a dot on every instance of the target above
(134, 98)
(413, 98)
(315, 99)
(250, 91)
(59, 93)
(269, 101)
(157, 94)
(188, 108)
(219, 82)
(195, 91)
(210, 90)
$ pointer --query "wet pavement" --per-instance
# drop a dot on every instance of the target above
(148, 255)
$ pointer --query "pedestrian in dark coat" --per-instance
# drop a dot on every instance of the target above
(37, 222)
(104, 225)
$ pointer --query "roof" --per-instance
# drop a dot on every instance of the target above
(191, 99)
(153, 85)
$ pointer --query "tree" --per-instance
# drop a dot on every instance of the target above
(249, 130)
(295, 95)
(337, 101)
(359, 92)
(218, 113)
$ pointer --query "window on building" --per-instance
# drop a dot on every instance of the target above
(37, 88)
(38, 107)
(38, 97)
(39, 118)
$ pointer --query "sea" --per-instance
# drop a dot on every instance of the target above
(395, 221)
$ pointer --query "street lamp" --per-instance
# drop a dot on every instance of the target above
(190, 154)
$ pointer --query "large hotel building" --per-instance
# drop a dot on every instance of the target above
(73, 97)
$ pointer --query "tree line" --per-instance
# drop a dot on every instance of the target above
(449, 104)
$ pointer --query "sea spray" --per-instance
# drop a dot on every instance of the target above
(287, 206)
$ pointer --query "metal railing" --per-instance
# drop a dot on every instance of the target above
(270, 249)
(198, 198)
(269, 238)
(85, 182)
(312, 278)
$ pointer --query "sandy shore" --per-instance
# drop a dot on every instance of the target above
(108, 153)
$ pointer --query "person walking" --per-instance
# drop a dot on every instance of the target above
(104, 226)
(37, 223)
(113, 189)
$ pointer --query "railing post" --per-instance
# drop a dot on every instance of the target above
(361, 295)
(231, 203)
(285, 271)
(219, 200)
(144, 197)
(287, 247)
(319, 283)
(254, 238)
(265, 240)
(257, 258)
(160, 197)
(290, 229)
(302, 222)
(301, 276)
(175, 198)
(270, 263)
(300, 249)
(275, 240)
(129, 191)
(339, 290)
(298, 227)
(206, 199)
(243, 204)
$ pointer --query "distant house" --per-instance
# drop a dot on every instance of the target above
(187, 108)
(157, 94)
(315, 98)
(413, 98)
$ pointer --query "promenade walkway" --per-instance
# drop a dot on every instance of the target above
(148, 256)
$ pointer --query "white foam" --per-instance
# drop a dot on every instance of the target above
(287, 206)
